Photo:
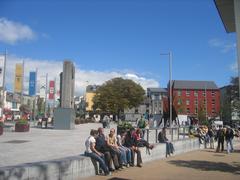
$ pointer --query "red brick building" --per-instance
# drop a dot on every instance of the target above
(194, 97)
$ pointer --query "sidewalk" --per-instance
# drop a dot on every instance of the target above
(43, 144)
(197, 165)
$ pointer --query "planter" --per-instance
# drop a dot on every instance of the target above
(21, 127)
(1, 130)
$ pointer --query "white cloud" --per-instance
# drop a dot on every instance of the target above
(82, 77)
(224, 47)
(12, 32)
(234, 67)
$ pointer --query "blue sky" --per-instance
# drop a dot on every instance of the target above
(120, 37)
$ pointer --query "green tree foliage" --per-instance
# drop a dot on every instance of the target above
(235, 96)
(116, 95)
(230, 104)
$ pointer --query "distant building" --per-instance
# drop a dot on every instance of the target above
(90, 93)
(152, 106)
(155, 100)
(194, 97)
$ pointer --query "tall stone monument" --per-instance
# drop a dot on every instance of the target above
(64, 116)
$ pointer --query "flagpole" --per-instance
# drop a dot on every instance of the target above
(3, 84)
(46, 88)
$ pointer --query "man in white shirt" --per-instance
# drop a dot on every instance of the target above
(93, 153)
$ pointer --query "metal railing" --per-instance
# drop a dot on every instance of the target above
(173, 133)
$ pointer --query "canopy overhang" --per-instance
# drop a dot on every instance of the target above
(226, 12)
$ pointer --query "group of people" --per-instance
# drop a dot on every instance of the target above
(114, 152)
(208, 135)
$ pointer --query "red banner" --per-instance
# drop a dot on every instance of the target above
(51, 90)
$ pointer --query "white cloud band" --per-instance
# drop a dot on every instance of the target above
(12, 32)
(82, 77)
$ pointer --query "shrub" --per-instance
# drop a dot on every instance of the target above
(22, 122)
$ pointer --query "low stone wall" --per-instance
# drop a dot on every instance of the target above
(159, 152)
(81, 166)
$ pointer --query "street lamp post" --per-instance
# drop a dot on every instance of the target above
(169, 54)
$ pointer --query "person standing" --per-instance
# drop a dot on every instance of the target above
(229, 137)
(220, 138)
(93, 153)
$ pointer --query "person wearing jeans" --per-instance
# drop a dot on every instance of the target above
(229, 137)
(93, 153)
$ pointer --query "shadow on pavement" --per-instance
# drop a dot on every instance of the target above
(208, 166)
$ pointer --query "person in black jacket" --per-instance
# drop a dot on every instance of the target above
(229, 137)
(131, 143)
(162, 138)
(220, 138)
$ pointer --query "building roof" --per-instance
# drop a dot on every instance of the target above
(178, 84)
(156, 90)
(226, 12)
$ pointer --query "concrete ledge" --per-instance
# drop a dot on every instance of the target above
(81, 166)
(181, 146)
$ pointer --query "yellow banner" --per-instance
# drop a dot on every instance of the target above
(18, 78)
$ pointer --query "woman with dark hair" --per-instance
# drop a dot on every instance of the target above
(162, 138)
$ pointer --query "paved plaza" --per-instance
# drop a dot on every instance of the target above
(197, 165)
(43, 144)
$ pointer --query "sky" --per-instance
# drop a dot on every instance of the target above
(117, 38)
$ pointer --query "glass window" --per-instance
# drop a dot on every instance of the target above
(187, 102)
(196, 102)
(213, 102)
(204, 93)
(213, 93)
(187, 93)
(196, 110)
(179, 92)
(188, 110)
(195, 93)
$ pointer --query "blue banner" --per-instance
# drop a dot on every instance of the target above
(32, 84)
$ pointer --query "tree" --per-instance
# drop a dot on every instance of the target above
(230, 105)
(201, 115)
(117, 94)
(235, 97)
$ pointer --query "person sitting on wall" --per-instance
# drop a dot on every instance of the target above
(140, 141)
(131, 143)
(95, 154)
(101, 146)
(162, 138)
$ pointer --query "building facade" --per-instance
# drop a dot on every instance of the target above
(90, 93)
(196, 98)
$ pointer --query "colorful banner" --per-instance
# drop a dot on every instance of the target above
(2, 63)
(32, 84)
(51, 90)
(18, 78)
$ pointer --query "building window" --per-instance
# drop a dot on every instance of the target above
(204, 101)
(213, 102)
(179, 92)
(136, 111)
(213, 111)
(213, 93)
(196, 110)
(196, 102)
(187, 102)
(195, 93)
(204, 93)
(188, 110)
(187, 93)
